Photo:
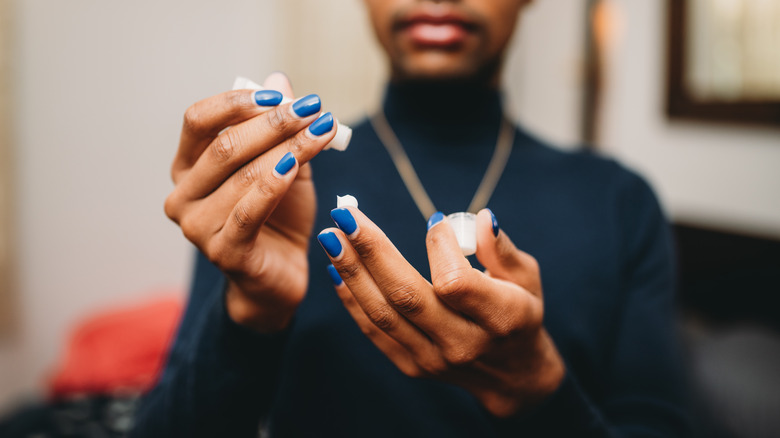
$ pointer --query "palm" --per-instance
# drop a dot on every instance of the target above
(282, 244)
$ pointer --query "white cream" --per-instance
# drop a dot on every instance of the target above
(343, 132)
(465, 227)
(346, 201)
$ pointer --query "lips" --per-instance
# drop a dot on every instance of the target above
(436, 27)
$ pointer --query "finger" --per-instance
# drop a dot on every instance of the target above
(399, 355)
(400, 284)
(497, 253)
(498, 306)
(244, 142)
(206, 118)
(367, 294)
(256, 173)
(280, 82)
(253, 209)
(182, 203)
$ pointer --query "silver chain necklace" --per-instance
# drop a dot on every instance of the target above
(386, 135)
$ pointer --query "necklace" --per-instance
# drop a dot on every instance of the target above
(506, 136)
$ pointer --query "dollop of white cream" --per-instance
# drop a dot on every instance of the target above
(346, 201)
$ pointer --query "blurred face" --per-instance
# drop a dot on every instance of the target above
(456, 40)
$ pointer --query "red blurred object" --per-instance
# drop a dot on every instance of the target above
(118, 350)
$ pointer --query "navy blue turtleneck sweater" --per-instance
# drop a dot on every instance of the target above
(606, 262)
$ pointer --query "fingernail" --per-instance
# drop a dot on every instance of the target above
(284, 165)
(344, 220)
(330, 243)
(493, 221)
(268, 97)
(306, 106)
(435, 219)
(334, 275)
(322, 125)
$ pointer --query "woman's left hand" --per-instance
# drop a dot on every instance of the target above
(479, 330)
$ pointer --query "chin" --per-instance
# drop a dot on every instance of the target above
(444, 67)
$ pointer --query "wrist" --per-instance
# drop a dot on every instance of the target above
(267, 317)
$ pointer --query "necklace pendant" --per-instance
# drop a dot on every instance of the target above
(465, 226)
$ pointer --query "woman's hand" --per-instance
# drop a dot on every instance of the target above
(244, 194)
(481, 331)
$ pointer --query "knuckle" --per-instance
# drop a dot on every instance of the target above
(278, 119)
(267, 190)
(348, 271)
(368, 330)
(382, 316)
(236, 99)
(248, 174)
(191, 228)
(453, 283)
(364, 248)
(242, 217)
(434, 365)
(171, 207)
(296, 145)
(224, 146)
(194, 120)
(503, 325)
(533, 264)
(412, 371)
(459, 355)
(406, 299)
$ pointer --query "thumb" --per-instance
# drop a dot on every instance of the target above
(280, 82)
(499, 256)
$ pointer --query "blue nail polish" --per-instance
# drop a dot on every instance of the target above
(334, 275)
(322, 125)
(330, 243)
(268, 97)
(285, 164)
(435, 219)
(306, 106)
(494, 221)
(344, 220)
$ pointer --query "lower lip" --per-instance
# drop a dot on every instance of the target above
(437, 35)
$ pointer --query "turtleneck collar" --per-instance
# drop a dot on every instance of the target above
(442, 104)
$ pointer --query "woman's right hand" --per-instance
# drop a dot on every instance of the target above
(244, 195)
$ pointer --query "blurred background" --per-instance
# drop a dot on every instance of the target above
(687, 92)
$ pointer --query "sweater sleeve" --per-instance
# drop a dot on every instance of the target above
(219, 379)
(645, 390)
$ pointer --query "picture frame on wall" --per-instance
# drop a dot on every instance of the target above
(723, 61)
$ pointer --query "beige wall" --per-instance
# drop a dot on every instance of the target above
(99, 92)
(6, 303)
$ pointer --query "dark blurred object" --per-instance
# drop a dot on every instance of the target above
(728, 288)
(722, 61)
(81, 417)
(728, 278)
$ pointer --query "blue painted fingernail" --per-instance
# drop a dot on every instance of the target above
(322, 125)
(306, 106)
(493, 221)
(330, 243)
(285, 164)
(268, 97)
(344, 220)
(334, 275)
(435, 219)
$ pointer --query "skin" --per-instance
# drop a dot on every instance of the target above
(480, 330)
(478, 59)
